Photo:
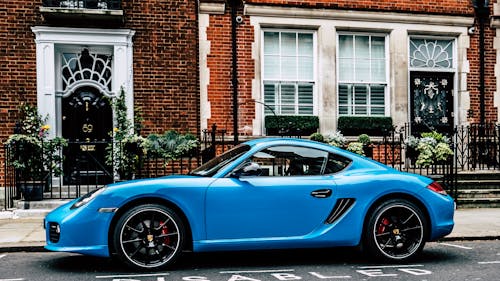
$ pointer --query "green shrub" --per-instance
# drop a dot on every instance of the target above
(377, 126)
(294, 124)
(317, 137)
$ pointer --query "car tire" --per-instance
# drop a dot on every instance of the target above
(396, 231)
(149, 237)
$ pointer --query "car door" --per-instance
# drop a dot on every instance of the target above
(290, 198)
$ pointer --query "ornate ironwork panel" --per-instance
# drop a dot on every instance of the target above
(431, 101)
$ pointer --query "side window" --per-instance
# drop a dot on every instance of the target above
(336, 163)
(290, 161)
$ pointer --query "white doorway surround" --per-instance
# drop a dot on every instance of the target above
(49, 43)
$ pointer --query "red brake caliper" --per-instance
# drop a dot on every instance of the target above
(382, 225)
(164, 231)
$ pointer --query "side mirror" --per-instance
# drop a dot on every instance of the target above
(250, 169)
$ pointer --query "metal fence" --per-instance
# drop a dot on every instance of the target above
(84, 4)
(476, 147)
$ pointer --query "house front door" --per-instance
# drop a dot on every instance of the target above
(431, 102)
(86, 124)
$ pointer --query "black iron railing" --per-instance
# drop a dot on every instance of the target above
(84, 4)
(84, 169)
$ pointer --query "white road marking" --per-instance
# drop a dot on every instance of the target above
(390, 266)
(257, 271)
(489, 262)
(1, 256)
(456, 246)
(15, 279)
(131, 275)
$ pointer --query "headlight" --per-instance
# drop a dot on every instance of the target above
(87, 198)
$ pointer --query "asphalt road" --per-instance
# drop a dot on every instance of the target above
(467, 260)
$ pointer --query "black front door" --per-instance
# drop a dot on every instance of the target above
(86, 124)
(431, 102)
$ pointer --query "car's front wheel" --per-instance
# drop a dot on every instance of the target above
(149, 237)
(396, 230)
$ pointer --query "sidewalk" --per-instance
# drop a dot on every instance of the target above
(27, 234)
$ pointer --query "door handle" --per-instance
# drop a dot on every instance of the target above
(321, 193)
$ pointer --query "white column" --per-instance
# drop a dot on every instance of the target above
(327, 80)
(123, 74)
(46, 84)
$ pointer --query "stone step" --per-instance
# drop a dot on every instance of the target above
(478, 193)
(479, 175)
(47, 204)
(479, 202)
(478, 184)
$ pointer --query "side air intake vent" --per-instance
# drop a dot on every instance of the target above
(340, 208)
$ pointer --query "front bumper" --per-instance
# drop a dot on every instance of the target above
(83, 230)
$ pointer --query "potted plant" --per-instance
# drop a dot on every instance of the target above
(432, 148)
(365, 140)
(34, 157)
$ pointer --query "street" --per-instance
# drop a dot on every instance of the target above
(467, 260)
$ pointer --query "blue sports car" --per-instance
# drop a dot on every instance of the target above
(262, 194)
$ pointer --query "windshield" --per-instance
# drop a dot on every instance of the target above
(213, 166)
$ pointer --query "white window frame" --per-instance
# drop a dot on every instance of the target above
(353, 82)
(277, 105)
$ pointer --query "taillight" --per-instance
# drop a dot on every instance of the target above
(436, 187)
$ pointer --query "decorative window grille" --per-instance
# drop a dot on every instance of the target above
(362, 74)
(288, 72)
(85, 67)
(431, 53)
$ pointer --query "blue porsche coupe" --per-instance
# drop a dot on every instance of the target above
(262, 194)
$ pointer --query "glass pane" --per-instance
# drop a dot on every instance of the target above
(360, 110)
(271, 43)
(288, 44)
(305, 110)
(270, 98)
(377, 95)
(378, 47)
(378, 111)
(288, 68)
(362, 49)
(344, 94)
(362, 70)
(360, 95)
(305, 94)
(271, 67)
(305, 44)
(378, 70)
(288, 110)
(288, 94)
(346, 46)
(346, 70)
(343, 110)
(306, 71)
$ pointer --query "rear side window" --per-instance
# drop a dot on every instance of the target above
(336, 163)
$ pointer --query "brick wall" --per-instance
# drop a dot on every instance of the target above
(219, 62)
(166, 76)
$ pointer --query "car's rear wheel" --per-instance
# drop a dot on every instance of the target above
(396, 230)
(149, 237)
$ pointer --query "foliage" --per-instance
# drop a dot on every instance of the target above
(125, 152)
(335, 139)
(33, 155)
(170, 146)
(364, 139)
(317, 137)
(292, 123)
(122, 153)
(356, 147)
(432, 147)
(351, 125)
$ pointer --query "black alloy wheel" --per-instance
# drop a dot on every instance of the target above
(396, 231)
(149, 237)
